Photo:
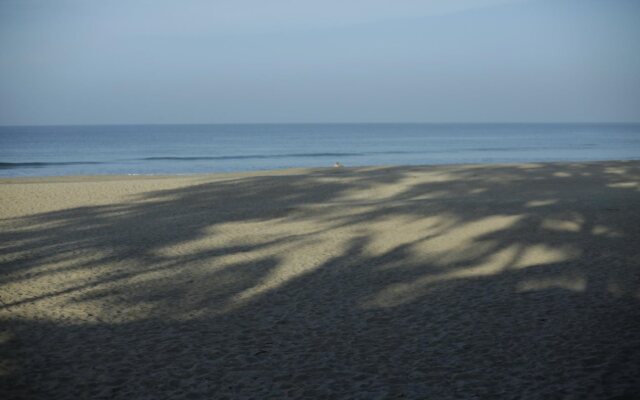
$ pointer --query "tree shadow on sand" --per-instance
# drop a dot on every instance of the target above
(414, 282)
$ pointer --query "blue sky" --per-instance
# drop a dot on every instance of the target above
(159, 61)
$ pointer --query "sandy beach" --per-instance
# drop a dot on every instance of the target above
(426, 282)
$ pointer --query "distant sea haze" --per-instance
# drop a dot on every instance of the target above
(187, 149)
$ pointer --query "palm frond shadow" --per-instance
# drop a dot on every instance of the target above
(411, 282)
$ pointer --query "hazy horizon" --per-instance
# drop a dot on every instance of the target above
(245, 62)
(444, 123)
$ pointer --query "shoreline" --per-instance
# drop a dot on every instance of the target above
(231, 174)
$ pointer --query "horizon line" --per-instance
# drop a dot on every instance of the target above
(327, 123)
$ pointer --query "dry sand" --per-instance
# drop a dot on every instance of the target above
(507, 281)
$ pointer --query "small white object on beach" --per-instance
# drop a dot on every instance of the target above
(337, 165)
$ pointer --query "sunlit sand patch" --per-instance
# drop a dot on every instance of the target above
(54, 196)
(401, 293)
(575, 284)
(61, 308)
(602, 230)
(625, 185)
(540, 203)
(292, 264)
(567, 225)
(290, 260)
(615, 170)
(515, 256)
(530, 166)
(214, 237)
(64, 276)
(379, 191)
(450, 241)
(390, 233)
(249, 235)
(540, 254)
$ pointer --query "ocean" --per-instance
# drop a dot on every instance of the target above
(189, 149)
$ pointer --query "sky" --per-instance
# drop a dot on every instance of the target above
(256, 61)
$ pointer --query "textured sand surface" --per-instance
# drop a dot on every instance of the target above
(471, 282)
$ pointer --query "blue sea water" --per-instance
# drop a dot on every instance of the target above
(186, 149)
